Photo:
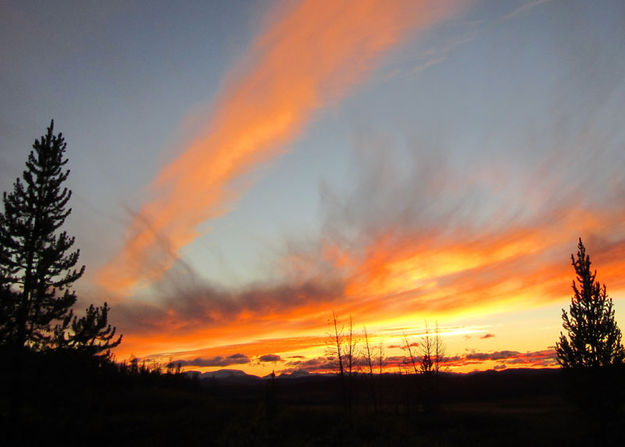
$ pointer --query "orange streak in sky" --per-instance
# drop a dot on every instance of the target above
(401, 280)
(313, 54)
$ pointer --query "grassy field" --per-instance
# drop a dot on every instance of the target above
(484, 409)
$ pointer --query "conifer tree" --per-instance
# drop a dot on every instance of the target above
(90, 334)
(37, 266)
(594, 339)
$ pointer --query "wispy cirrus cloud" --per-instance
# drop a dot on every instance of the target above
(524, 8)
(428, 57)
(307, 57)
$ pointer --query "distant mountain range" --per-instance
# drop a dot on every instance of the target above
(238, 376)
(224, 374)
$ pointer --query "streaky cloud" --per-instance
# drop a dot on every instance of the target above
(524, 8)
(314, 53)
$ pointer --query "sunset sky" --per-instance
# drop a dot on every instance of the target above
(243, 169)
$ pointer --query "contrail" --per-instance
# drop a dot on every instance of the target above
(313, 53)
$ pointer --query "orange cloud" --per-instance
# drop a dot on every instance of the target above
(398, 280)
(309, 56)
(443, 274)
(393, 266)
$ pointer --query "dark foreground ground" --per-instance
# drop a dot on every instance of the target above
(506, 408)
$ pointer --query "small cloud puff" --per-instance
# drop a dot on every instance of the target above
(234, 359)
(270, 358)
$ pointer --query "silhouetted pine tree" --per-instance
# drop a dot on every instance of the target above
(36, 265)
(38, 329)
(594, 339)
(35, 262)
